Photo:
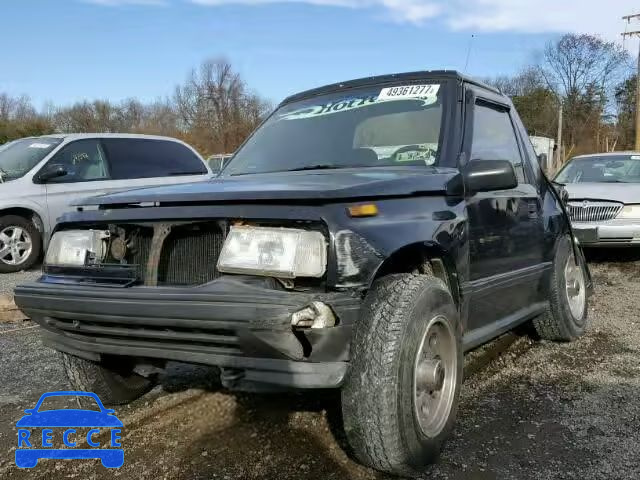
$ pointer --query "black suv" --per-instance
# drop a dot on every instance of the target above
(364, 237)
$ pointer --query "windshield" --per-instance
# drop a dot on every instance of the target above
(20, 156)
(602, 169)
(368, 127)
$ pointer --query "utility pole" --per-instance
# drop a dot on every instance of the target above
(628, 18)
(559, 157)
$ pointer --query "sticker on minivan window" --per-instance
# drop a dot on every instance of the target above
(39, 145)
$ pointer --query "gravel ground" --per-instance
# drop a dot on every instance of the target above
(537, 410)
(8, 281)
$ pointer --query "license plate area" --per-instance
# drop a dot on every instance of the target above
(587, 235)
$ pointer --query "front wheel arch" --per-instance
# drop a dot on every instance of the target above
(422, 257)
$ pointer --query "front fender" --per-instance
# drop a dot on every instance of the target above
(361, 245)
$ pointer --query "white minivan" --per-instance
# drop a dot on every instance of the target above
(41, 176)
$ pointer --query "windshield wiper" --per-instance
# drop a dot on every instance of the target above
(186, 172)
(3, 175)
(321, 166)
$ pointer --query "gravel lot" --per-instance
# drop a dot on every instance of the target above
(8, 281)
(537, 410)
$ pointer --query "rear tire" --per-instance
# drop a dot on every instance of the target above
(398, 406)
(114, 385)
(566, 316)
(20, 244)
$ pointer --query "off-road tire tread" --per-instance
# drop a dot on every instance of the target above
(111, 387)
(379, 333)
(553, 324)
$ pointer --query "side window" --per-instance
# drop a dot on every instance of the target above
(530, 152)
(131, 158)
(494, 137)
(83, 160)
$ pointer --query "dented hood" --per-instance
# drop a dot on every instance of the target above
(310, 186)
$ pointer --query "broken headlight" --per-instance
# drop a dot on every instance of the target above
(77, 248)
(274, 252)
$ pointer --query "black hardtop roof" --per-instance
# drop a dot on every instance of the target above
(389, 78)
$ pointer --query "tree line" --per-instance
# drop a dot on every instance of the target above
(592, 80)
(214, 110)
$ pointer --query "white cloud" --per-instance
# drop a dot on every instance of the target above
(520, 16)
(540, 16)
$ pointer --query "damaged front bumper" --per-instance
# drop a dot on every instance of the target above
(232, 322)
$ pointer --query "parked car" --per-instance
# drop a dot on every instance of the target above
(363, 238)
(604, 198)
(219, 161)
(41, 176)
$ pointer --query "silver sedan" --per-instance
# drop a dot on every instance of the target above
(604, 198)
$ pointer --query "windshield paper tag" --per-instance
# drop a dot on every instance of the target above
(428, 94)
(39, 145)
(401, 92)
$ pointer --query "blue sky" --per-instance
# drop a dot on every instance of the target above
(69, 50)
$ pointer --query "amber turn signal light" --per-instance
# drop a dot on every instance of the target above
(366, 210)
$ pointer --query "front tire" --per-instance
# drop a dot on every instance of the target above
(400, 397)
(20, 244)
(566, 316)
(114, 384)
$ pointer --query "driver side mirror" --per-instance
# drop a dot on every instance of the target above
(52, 171)
(490, 175)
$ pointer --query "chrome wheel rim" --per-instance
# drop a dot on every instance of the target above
(15, 245)
(435, 375)
(574, 287)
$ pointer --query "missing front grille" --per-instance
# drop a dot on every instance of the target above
(186, 256)
(189, 254)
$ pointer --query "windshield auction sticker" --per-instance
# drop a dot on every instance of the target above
(39, 145)
(427, 94)
(54, 430)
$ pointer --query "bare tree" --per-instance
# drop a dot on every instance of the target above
(216, 108)
(18, 118)
(575, 63)
(582, 71)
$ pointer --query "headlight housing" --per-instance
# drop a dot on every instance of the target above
(274, 252)
(629, 211)
(76, 248)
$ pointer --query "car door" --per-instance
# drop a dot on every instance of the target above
(111, 164)
(505, 227)
(87, 174)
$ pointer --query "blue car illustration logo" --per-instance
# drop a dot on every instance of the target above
(66, 426)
